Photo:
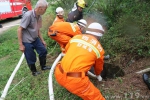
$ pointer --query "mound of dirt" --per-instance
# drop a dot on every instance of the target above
(121, 81)
(128, 87)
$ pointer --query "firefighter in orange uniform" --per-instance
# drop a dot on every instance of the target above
(62, 32)
(82, 52)
(59, 15)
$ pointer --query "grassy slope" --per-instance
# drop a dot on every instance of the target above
(24, 86)
(36, 88)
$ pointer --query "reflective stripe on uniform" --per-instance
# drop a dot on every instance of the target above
(88, 44)
(72, 26)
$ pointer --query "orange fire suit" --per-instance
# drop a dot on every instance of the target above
(82, 52)
(62, 32)
(57, 19)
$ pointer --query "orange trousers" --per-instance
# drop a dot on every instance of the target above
(81, 86)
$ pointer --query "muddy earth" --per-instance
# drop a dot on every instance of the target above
(120, 80)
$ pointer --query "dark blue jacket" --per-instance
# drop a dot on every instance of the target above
(74, 15)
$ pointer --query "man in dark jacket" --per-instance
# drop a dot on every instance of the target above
(76, 13)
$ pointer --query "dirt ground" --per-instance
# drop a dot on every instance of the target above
(127, 87)
(131, 85)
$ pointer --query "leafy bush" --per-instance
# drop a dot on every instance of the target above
(127, 23)
(130, 33)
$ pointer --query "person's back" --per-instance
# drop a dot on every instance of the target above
(62, 32)
(82, 50)
(76, 13)
(67, 28)
(74, 16)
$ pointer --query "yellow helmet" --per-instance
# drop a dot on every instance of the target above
(81, 3)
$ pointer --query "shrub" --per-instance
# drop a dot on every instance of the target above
(130, 34)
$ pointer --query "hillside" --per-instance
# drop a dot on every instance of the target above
(126, 40)
(127, 87)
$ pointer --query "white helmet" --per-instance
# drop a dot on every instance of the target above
(59, 11)
(95, 29)
(82, 22)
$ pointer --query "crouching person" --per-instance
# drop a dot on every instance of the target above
(82, 52)
(62, 32)
(30, 38)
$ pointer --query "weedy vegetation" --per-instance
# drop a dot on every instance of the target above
(127, 25)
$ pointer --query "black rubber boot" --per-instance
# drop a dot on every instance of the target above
(146, 79)
(43, 63)
(33, 69)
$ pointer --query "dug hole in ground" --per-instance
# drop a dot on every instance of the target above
(122, 81)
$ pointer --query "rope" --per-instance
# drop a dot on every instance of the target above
(17, 84)
(53, 49)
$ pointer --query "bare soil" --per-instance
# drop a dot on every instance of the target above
(131, 85)
(127, 87)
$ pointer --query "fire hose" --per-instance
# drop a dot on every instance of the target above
(4, 93)
(50, 82)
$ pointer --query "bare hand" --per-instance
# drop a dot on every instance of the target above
(44, 43)
(21, 48)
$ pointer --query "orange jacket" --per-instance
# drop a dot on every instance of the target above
(57, 19)
(64, 32)
(69, 29)
(83, 52)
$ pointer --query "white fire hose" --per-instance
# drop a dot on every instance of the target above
(4, 93)
(50, 82)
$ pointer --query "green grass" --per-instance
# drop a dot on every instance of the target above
(24, 86)
(8, 42)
